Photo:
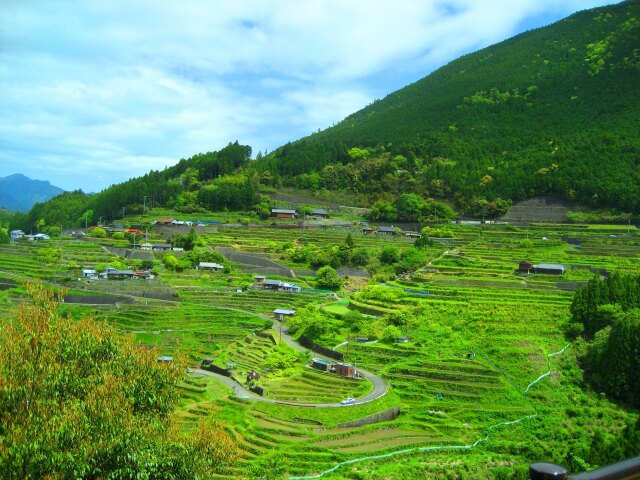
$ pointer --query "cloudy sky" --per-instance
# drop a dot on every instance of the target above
(93, 93)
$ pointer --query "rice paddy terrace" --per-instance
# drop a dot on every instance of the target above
(480, 336)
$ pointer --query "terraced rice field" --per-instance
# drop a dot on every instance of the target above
(477, 341)
(196, 331)
(32, 259)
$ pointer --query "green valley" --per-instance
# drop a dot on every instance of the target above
(445, 284)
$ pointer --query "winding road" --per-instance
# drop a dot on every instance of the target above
(380, 387)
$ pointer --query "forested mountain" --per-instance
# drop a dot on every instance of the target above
(551, 111)
(210, 181)
(20, 193)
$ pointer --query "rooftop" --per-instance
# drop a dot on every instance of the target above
(282, 210)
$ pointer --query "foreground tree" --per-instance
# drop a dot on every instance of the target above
(79, 401)
(328, 278)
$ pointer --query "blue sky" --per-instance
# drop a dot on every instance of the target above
(93, 93)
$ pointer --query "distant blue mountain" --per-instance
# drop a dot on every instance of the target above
(19, 193)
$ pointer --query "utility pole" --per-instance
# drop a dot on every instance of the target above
(144, 205)
(348, 341)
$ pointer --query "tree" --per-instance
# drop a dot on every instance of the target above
(171, 262)
(328, 278)
(78, 400)
(389, 255)
(390, 333)
(99, 232)
(348, 241)
(86, 218)
(360, 257)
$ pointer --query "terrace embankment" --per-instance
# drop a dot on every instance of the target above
(539, 209)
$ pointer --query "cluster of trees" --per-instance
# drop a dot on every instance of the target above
(346, 254)
(193, 258)
(390, 259)
(607, 313)
(78, 400)
(409, 260)
(411, 208)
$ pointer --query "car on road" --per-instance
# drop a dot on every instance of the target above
(348, 401)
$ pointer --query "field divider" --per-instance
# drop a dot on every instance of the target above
(544, 375)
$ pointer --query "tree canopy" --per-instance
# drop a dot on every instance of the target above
(78, 400)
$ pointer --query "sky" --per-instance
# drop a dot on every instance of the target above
(93, 93)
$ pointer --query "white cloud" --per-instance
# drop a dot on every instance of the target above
(93, 93)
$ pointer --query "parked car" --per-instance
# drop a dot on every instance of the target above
(348, 401)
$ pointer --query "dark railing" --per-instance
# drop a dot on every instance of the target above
(625, 470)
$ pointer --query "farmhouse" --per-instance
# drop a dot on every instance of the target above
(89, 273)
(161, 246)
(41, 236)
(344, 369)
(547, 268)
(165, 221)
(525, 267)
(367, 230)
(112, 273)
(16, 235)
(320, 364)
(210, 266)
(550, 268)
(387, 230)
(272, 284)
(281, 313)
(280, 285)
(290, 287)
(402, 339)
(283, 213)
(259, 279)
(411, 234)
(319, 212)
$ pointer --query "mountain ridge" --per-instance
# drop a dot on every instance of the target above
(20, 193)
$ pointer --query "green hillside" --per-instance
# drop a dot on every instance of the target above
(551, 111)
